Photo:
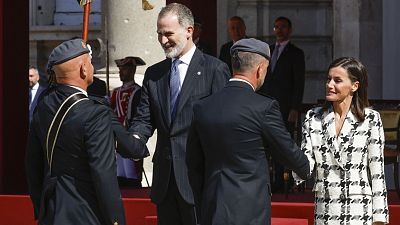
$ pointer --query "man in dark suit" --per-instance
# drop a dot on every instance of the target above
(75, 181)
(227, 144)
(35, 89)
(237, 31)
(285, 82)
(169, 90)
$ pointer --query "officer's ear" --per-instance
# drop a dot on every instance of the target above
(260, 70)
(83, 71)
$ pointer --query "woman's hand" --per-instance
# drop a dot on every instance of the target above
(378, 223)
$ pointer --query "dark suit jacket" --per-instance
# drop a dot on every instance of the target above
(41, 89)
(202, 46)
(98, 87)
(205, 75)
(127, 145)
(286, 82)
(226, 156)
(225, 54)
(85, 189)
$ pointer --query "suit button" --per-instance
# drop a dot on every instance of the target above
(168, 157)
(342, 197)
(326, 172)
(342, 173)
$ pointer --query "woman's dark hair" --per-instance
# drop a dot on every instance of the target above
(356, 72)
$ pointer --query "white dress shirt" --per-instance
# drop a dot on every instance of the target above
(34, 91)
(184, 65)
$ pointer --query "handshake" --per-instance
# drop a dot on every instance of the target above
(130, 146)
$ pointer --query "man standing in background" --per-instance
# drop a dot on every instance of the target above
(35, 89)
(237, 31)
(285, 82)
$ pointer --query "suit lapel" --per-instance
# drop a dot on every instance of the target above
(37, 95)
(346, 136)
(339, 145)
(188, 86)
(163, 94)
(272, 48)
(329, 135)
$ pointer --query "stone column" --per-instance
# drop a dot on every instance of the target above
(371, 45)
(130, 31)
(346, 28)
(312, 31)
(225, 10)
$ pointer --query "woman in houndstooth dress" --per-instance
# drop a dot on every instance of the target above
(344, 142)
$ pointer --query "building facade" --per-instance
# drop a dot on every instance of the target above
(324, 29)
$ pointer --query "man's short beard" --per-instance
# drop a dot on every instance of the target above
(175, 51)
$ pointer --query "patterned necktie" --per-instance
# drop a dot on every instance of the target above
(274, 57)
(30, 98)
(175, 87)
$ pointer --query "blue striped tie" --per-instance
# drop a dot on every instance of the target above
(175, 87)
(274, 57)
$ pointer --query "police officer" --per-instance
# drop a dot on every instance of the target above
(73, 181)
(231, 132)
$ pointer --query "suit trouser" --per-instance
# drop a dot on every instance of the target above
(174, 210)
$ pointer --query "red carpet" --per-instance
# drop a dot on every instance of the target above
(17, 210)
(295, 196)
(152, 220)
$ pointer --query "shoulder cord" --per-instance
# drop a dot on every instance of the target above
(52, 134)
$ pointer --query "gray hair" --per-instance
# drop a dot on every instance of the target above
(245, 61)
(32, 67)
(185, 16)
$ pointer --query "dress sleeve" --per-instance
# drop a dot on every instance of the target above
(306, 146)
(376, 170)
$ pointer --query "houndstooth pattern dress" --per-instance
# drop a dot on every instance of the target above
(350, 186)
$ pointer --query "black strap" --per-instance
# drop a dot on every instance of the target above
(57, 121)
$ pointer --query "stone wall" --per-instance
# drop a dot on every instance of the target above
(390, 49)
(312, 31)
